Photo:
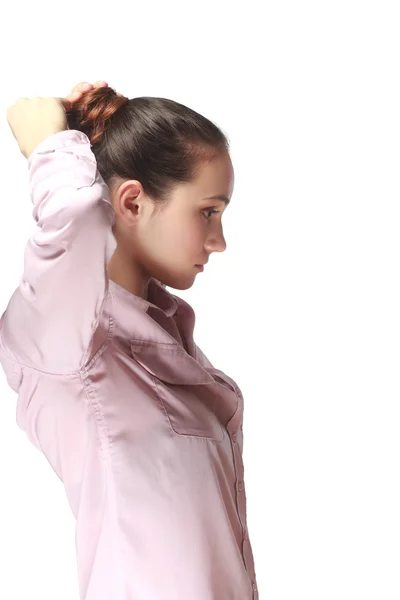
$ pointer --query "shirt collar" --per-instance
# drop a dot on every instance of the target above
(158, 352)
(158, 297)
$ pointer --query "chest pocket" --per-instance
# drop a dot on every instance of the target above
(195, 402)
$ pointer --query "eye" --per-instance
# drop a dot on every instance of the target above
(210, 210)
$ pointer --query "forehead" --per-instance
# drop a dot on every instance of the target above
(216, 176)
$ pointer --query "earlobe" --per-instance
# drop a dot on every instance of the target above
(130, 199)
(132, 211)
(126, 210)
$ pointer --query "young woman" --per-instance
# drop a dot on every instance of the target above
(145, 434)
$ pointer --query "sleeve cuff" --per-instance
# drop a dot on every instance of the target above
(61, 139)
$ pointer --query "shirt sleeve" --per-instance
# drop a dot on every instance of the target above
(50, 320)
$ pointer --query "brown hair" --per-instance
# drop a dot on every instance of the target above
(157, 141)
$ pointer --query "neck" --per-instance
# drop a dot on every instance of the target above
(128, 276)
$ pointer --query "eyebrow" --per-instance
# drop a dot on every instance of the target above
(218, 197)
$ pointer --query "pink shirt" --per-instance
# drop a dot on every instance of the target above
(145, 434)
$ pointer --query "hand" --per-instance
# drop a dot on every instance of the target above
(78, 91)
(32, 120)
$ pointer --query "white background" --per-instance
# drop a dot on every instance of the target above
(302, 310)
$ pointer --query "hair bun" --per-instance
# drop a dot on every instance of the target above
(92, 113)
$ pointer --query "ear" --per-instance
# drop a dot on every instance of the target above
(129, 201)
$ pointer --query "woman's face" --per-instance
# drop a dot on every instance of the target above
(169, 243)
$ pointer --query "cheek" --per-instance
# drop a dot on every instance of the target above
(176, 238)
(187, 233)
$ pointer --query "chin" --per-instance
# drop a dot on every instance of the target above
(182, 286)
(178, 282)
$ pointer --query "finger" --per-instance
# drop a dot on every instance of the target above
(80, 87)
(85, 86)
(76, 95)
(73, 97)
(67, 104)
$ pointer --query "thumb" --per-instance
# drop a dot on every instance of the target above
(67, 104)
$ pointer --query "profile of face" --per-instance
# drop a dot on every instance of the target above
(170, 241)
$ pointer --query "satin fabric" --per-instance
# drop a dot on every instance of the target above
(145, 434)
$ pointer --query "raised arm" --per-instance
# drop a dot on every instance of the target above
(52, 315)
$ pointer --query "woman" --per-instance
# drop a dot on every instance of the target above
(145, 434)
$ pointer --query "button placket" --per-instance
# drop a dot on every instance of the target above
(235, 430)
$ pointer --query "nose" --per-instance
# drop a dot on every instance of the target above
(216, 242)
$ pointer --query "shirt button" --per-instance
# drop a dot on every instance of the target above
(254, 587)
(240, 486)
(234, 437)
